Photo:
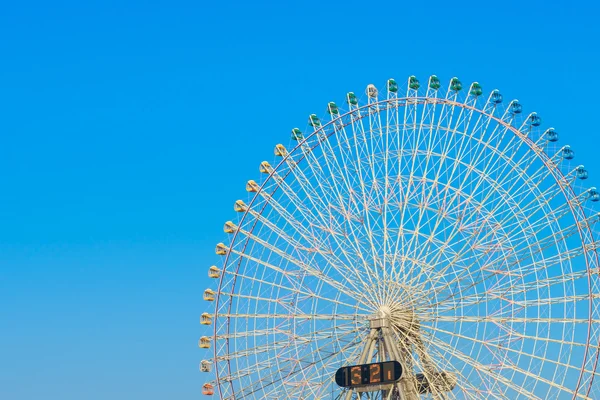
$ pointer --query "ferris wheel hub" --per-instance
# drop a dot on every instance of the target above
(385, 312)
(398, 316)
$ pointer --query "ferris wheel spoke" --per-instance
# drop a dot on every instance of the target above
(457, 191)
(429, 152)
(520, 287)
(327, 222)
(343, 270)
(484, 146)
(371, 195)
(497, 346)
(320, 371)
(477, 157)
(410, 136)
(288, 339)
(420, 141)
(548, 216)
(291, 289)
(320, 202)
(361, 194)
(358, 293)
(289, 332)
(503, 319)
(465, 223)
(447, 147)
(253, 351)
(470, 390)
(342, 317)
(529, 251)
(280, 302)
(449, 261)
(318, 190)
(551, 216)
(484, 370)
(256, 385)
(337, 169)
(293, 371)
(507, 297)
(561, 341)
(314, 246)
(391, 127)
(311, 244)
(403, 139)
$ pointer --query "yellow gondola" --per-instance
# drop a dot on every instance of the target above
(206, 319)
(229, 227)
(265, 167)
(240, 206)
(204, 342)
(280, 151)
(214, 272)
(209, 295)
(221, 249)
(252, 186)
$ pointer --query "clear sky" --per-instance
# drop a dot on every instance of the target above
(128, 129)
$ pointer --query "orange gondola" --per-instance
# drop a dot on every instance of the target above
(208, 389)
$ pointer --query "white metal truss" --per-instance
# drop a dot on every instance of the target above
(461, 217)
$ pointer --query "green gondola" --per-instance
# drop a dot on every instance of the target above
(392, 86)
(314, 121)
(297, 134)
(413, 83)
(434, 82)
(351, 98)
(476, 89)
(332, 108)
(455, 85)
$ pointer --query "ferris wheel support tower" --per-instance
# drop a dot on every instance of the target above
(381, 338)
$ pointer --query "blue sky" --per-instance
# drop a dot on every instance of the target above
(128, 129)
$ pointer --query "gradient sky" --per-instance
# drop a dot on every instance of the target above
(128, 129)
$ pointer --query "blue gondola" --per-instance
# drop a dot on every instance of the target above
(594, 195)
(551, 135)
(567, 153)
(515, 107)
(496, 97)
(534, 119)
(581, 173)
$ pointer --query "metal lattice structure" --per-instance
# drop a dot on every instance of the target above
(451, 216)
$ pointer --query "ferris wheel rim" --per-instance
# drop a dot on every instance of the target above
(556, 173)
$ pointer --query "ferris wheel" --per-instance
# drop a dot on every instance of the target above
(435, 244)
